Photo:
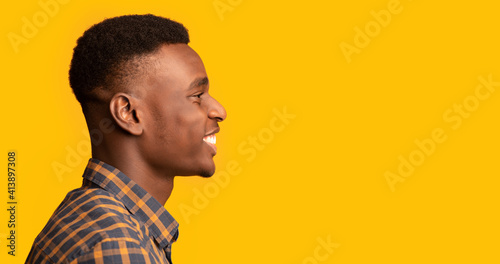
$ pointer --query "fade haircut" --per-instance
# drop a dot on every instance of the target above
(109, 54)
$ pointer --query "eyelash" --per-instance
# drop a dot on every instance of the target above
(198, 95)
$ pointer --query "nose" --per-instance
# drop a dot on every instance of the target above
(216, 111)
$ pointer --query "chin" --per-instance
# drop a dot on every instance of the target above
(204, 168)
(203, 172)
(207, 171)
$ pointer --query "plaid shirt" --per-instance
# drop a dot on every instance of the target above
(110, 219)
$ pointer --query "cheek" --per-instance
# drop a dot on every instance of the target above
(178, 128)
(190, 127)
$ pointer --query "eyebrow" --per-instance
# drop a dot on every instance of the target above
(198, 82)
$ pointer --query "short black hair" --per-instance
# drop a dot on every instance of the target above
(102, 56)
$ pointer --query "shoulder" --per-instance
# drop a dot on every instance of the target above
(107, 250)
(116, 250)
(88, 218)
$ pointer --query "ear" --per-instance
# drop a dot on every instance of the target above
(124, 110)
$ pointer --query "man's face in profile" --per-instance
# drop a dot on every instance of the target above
(180, 117)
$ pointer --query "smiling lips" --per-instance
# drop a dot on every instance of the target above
(210, 140)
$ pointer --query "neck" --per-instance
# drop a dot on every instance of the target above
(155, 183)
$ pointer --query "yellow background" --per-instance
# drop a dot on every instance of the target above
(322, 176)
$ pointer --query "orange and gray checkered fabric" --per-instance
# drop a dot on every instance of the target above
(110, 219)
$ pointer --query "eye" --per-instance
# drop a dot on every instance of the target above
(197, 97)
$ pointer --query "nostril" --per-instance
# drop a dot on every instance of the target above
(223, 114)
(217, 115)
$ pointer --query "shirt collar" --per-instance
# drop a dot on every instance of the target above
(140, 203)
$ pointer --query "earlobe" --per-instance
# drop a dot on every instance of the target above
(125, 113)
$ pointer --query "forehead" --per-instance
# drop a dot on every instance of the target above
(175, 67)
(178, 59)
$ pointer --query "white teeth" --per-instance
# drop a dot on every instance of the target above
(210, 139)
